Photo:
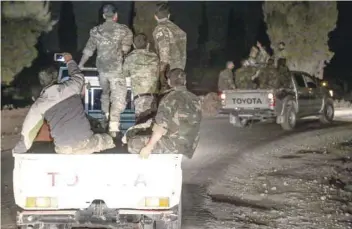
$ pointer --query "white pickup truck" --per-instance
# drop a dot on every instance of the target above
(111, 189)
(305, 97)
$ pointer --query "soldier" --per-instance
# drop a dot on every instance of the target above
(268, 76)
(170, 43)
(226, 79)
(246, 74)
(112, 41)
(263, 56)
(281, 54)
(143, 68)
(177, 122)
(284, 74)
(60, 105)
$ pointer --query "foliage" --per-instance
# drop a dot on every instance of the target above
(304, 27)
(22, 23)
(144, 21)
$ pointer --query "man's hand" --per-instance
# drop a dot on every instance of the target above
(67, 57)
(259, 45)
(145, 152)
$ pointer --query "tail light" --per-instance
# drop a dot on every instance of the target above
(222, 98)
(271, 98)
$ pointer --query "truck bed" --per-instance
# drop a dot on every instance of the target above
(48, 148)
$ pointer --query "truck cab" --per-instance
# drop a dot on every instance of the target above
(92, 104)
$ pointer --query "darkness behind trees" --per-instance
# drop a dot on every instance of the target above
(244, 26)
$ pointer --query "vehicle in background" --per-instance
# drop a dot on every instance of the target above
(304, 98)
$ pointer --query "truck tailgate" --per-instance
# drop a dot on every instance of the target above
(122, 181)
(247, 99)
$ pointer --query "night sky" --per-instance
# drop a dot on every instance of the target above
(236, 26)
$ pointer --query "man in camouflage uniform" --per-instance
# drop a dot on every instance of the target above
(177, 122)
(285, 80)
(263, 56)
(226, 79)
(60, 105)
(143, 68)
(281, 53)
(268, 76)
(170, 43)
(112, 41)
(246, 74)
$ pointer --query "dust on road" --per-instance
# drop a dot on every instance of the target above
(247, 178)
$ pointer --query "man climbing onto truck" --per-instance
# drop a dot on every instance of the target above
(177, 122)
(60, 105)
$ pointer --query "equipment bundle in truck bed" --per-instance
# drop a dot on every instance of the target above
(284, 106)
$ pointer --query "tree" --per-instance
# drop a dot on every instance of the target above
(22, 23)
(304, 27)
(143, 21)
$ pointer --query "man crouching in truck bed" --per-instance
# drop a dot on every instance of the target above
(176, 124)
(60, 105)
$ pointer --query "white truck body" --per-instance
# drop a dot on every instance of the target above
(67, 185)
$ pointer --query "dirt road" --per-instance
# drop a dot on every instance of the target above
(260, 177)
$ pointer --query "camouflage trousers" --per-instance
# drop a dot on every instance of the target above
(114, 92)
(137, 142)
(96, 143)
(144, 105)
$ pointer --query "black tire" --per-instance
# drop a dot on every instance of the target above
(290, 118)
(327, 116)
(177, 224)
(150, 226)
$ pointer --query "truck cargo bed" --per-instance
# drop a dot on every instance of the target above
(48, 148)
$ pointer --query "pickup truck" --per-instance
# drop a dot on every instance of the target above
(284, 106)
(110, 189)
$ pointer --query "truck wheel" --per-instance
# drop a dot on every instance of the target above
(290, 118)
(177, 223)
(328, 113)
(150, 226)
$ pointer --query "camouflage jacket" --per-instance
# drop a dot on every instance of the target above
(170, 44)
(112, 40)
(143, 68)
(179, 115)
(49, 97)
(226, 81)
(268, 77)
(263, 56)
(244, 77)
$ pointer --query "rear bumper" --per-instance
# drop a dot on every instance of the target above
(251, 114)
(108, 218)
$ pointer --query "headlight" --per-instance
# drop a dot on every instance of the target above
(41, 202)
(331, 92)
(156, 202)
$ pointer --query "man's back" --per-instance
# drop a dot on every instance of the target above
(226, 81)
(68, 122)
(183, 127)
(110, 37)
(178, 43)
(143, 68)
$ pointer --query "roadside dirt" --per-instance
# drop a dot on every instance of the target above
(11, 124)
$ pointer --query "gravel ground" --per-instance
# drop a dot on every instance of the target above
(258, 177)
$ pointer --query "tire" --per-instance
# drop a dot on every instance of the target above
(327, 116)
(290, 118)
(150, 226)
(177, 224)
